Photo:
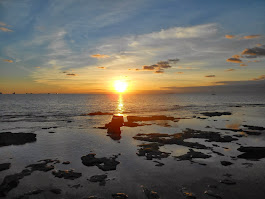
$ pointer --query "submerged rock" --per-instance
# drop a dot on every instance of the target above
(8, 138)
(252, 153)
(151, 151)
(4, 166)
(56, 191)
(192, 154)
(228, 182)
(66, 162)
(119, 196)
(99, 178)
(213, 194)
(212, 114)
(67, 174)
(226, 163)
(105, 164)
(26, 195)
(150, 194)
(187, 194)
(12, 181)
(42, 166)
(259, 128)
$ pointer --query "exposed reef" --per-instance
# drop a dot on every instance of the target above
(8, 138)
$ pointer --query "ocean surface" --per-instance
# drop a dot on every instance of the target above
(75, 134)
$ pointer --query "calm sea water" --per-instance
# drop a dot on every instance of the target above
(76, 135)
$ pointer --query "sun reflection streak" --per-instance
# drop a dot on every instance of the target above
(120, 107)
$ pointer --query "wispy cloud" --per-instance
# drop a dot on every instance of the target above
(99, 56)
(262, 77)
(8, 60)
(210, 76)
(101, 67)
(230, 70)
(4, 29)
(230, 36)
(251, 36)
(234, 60)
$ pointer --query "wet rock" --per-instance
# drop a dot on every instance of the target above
(252, 132)
(247, 164)
(192, 154)
(42, 166)
(161, 138)
(51, 132)
(105, 164)
(67, 174)
(252, 153)
(98, 113)
(151, 118)
(259, 128)
(213, 194)
(151, 151)
(76, 186)
(218, 153)
(8, 138)
(212, 114)
(93, 197)
(26, 195)
(119, 196)
(99, 178)
(226, 163)
(228, 182)
(56, 191)
(114, 127)
(150, 194)
(66, 162)
(4, 166)
(228, 175)
(12, 181)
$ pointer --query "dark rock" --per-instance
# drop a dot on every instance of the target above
(150, 194)
(114, 127)
(213, 194)
(105, 164)
(252, 153)
(12, 181)
(151, 151)
(66, 162)
(56, 191)
(119, 196)
(93, 197)
(228, 182)
(218, 153)
(151, 118)
(8, 138)
(76, 186)
(42, 166)
(99, 178)
(51, 132)
(192, 154)
(259, 128)
(98, 113)
(247, 164)
(4, 166)
(67, 174)
(226, 163)
(187, 194)
(212, 114)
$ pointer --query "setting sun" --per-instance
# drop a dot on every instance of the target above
(120, 86)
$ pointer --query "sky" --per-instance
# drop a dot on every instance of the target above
(156, 46)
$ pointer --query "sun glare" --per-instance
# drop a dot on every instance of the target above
(120, 86)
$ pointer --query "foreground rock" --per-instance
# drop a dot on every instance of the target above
(213, 194)
(43, 166)
(192, 154)
(12, 181)
(150, 194)
(212, 114)
(119, 196)
(4, 166)
(252, 153)
(67, 174)
(8, 138)
(105, 164)
(114, 127)
(151, 151)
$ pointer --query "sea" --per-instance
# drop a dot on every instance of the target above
(66, 132)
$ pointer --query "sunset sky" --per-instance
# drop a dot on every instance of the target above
(84, 46)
